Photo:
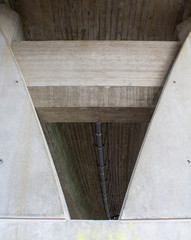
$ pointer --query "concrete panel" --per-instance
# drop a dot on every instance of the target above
(29, 183)
(160, 186)
(96, 230)
(10, 24)
(183, 29)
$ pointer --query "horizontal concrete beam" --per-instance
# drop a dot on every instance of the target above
(95, 114)
(117, 76)
(85, 230)
(92, 104)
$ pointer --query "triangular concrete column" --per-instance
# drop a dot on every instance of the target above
(29, 186)
(161, 184)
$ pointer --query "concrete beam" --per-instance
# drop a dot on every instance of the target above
(85, 230)
(92, 104)
(63, 76)
(95, 114)
(160, 185)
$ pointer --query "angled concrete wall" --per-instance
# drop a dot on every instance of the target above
(160, 186)
(29, 184)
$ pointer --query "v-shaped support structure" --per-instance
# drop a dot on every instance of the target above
(32, 205)
(161, 184)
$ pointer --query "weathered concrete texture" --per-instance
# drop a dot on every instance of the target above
(101, 20)
(160, 186)
(183, 29)
(10, 24)
(122, 79)
(76, 178)
(73, 149)
(101, 64)
(88, 230)
(29, 183)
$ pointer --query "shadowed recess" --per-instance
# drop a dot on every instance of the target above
(75, 155)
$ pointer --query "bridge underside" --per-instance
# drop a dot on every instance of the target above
(73, 85)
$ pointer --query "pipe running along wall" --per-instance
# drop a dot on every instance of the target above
(100, 146)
